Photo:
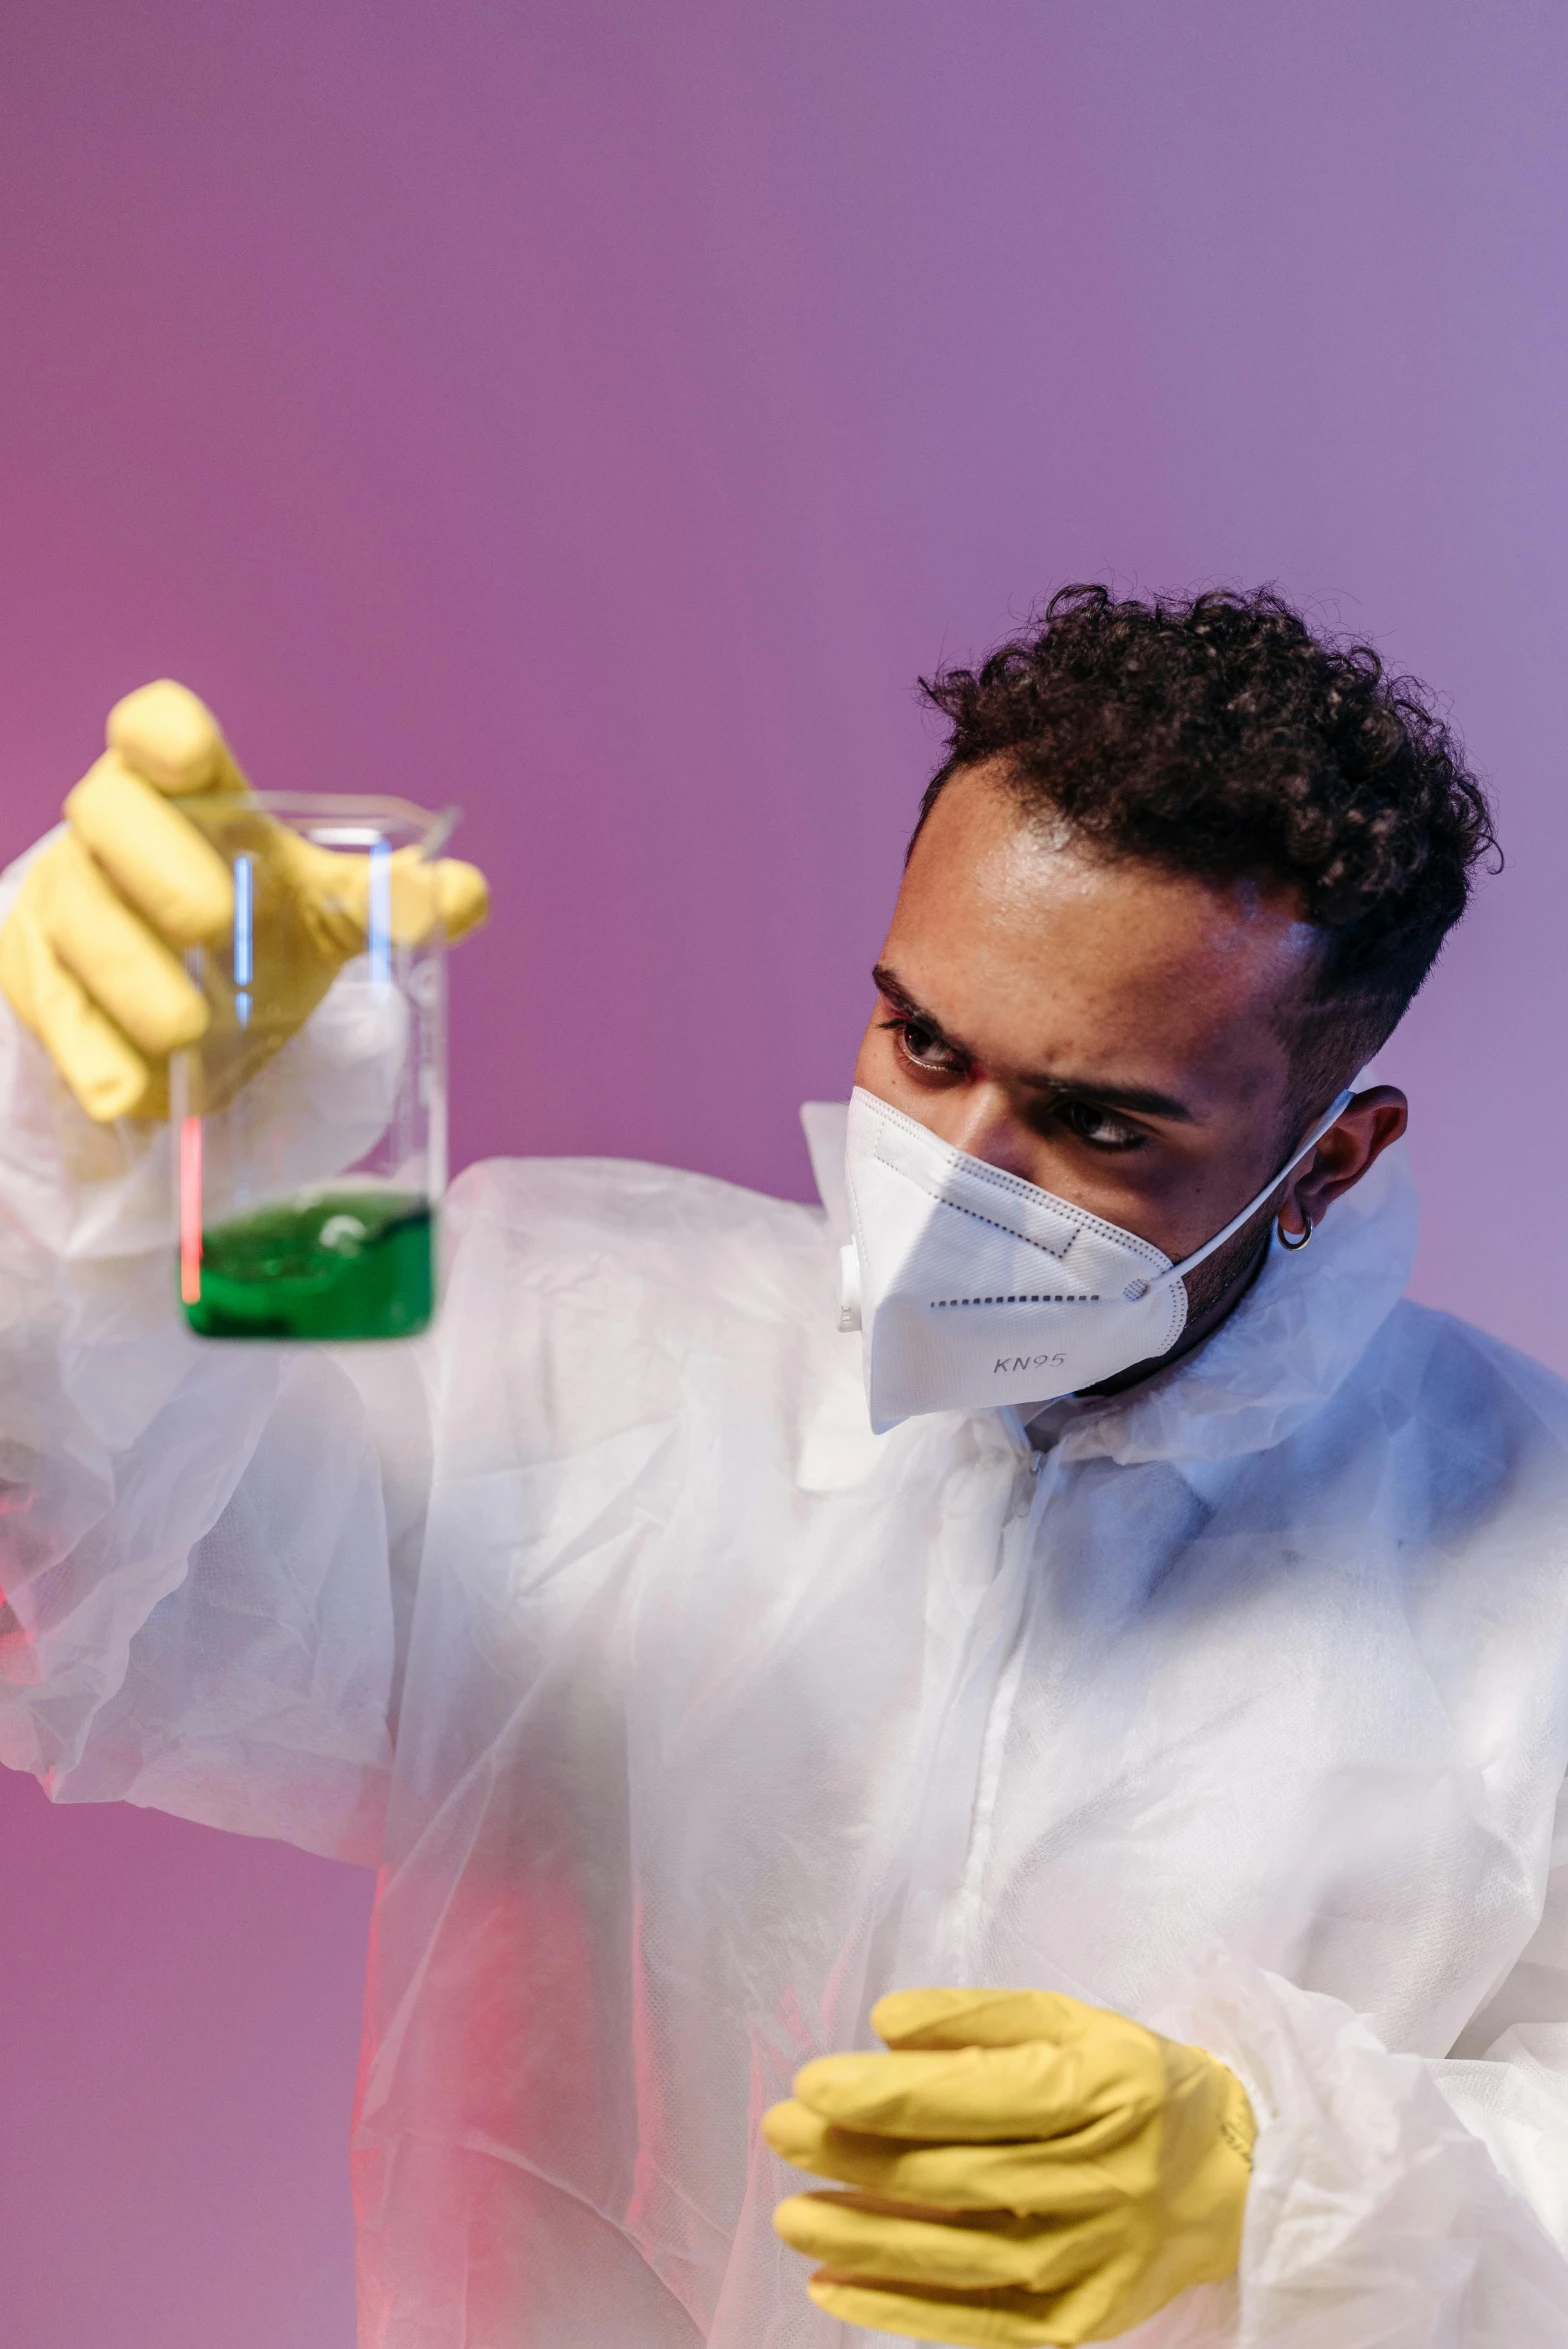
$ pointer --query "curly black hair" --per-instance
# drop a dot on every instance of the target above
(1217, 735)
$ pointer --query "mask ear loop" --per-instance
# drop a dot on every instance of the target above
(1137, 1289)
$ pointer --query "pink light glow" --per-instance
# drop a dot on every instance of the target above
(190, 1210)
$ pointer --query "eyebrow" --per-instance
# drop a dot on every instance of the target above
(1139, 1100)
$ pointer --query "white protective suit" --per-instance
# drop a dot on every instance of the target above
(683, 1717)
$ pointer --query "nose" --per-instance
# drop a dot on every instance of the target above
(981, 1120)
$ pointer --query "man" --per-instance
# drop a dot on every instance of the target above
(1139, 1646)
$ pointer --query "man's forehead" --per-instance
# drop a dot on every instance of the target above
(1038, 953)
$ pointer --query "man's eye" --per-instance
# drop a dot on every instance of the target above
(1099, 1126)
(925, 1050)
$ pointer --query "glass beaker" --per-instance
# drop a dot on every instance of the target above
(310, 1118)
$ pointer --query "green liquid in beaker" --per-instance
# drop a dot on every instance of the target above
(348, 1263)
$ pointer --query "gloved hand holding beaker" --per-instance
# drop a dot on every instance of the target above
(91, 957)
(177, 935)
(1026, 2169)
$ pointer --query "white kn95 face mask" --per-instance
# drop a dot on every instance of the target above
(971, 1287)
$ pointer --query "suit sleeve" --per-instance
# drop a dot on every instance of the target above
(1398, 2200)
(203, 1548)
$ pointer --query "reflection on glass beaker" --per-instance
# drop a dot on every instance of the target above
(311, 1115)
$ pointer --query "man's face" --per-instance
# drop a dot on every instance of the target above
(1108, 1031)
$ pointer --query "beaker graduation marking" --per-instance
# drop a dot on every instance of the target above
(381, 911)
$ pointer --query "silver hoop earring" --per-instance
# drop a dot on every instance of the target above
(1294, 1247)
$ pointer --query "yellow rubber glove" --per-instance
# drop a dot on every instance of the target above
(90, 956)
(1030, 2169)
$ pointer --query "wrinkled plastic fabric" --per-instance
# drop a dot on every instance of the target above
(683, 1717)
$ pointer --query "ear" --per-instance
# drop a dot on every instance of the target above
(1354, 1142)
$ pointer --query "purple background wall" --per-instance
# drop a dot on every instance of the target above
(597, 411)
